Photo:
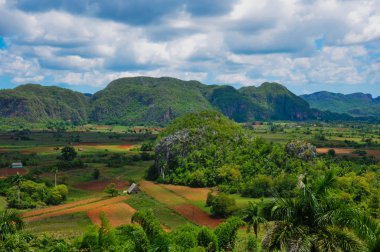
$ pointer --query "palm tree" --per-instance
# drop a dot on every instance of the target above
(315, 221)
(253, 218)
(10, 223)
(17, 180)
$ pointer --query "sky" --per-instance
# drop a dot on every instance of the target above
(306, 45)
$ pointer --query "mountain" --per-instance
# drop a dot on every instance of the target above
(157, 101)
(147, 101)
(36, 103)
(277, 102)
(356, 104)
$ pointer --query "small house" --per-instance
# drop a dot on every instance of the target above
(17, 165)
(133, 189)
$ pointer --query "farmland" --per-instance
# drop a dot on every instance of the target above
(112, 155)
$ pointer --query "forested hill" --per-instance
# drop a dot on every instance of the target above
(156, 101)
(36, 103)
(356, 104)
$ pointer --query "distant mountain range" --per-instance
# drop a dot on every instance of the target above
(157, 101)
(356, 104)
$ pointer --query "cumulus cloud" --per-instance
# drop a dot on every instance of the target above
(241, 42)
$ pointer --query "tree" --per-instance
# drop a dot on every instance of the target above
(221, 205)
(96, 174)
(106, 236)
(10, 223)
(111, 189)
(252, 216)
(331, 153)
(68, 153)
(227, 232)
(314, 221)
(17, 180)
(207, 239)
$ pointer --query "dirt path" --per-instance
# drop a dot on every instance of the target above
(59, 207)
(118, 214)
(77, 209)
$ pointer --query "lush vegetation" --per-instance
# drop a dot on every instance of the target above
(22, 193)
(207, 149)
(157, 101)
(357, 104)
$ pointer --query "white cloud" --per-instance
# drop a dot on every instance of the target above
(257, 40)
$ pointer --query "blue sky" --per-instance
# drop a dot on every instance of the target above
(306, 45)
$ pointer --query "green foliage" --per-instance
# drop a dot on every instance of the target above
(90, 239)
(356, 104)
(29, 194)
(96, 174)
(185, 237)
(136, 234)
(36, 103)
(106, 235)
(10, 223)
(68, 153)
(315, 220)
(227, 232)
(221, 205)
(111, 189)
(207, 239)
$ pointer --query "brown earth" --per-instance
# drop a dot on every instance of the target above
(118, 214)
(125, 146)
(99, 186)
(5, 172)
(77, 209)
(192, 194)
(59, 207)
(348, 151)
(196, 215)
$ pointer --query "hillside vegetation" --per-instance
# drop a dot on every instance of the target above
(356, 104)
(36, 103)
(157, 101)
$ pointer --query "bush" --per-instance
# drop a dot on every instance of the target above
(221, 205)
(207, 239)
(259, 186)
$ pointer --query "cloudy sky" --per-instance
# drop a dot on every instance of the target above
(307, 45)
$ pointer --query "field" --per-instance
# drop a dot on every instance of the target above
(114, 152)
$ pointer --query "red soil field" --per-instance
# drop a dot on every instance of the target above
(59, 207)
(125, 146)
(99, 186)
(348, 151)
(192, 194)
(77, 209)
(118, 214)
(196, 215)
(12, 171)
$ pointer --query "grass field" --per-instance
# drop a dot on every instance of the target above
(65, 226)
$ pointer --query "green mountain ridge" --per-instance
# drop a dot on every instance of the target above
(157, 101)
(37, 103)
(356, 104)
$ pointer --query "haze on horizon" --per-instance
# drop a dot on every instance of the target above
(308, 45)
